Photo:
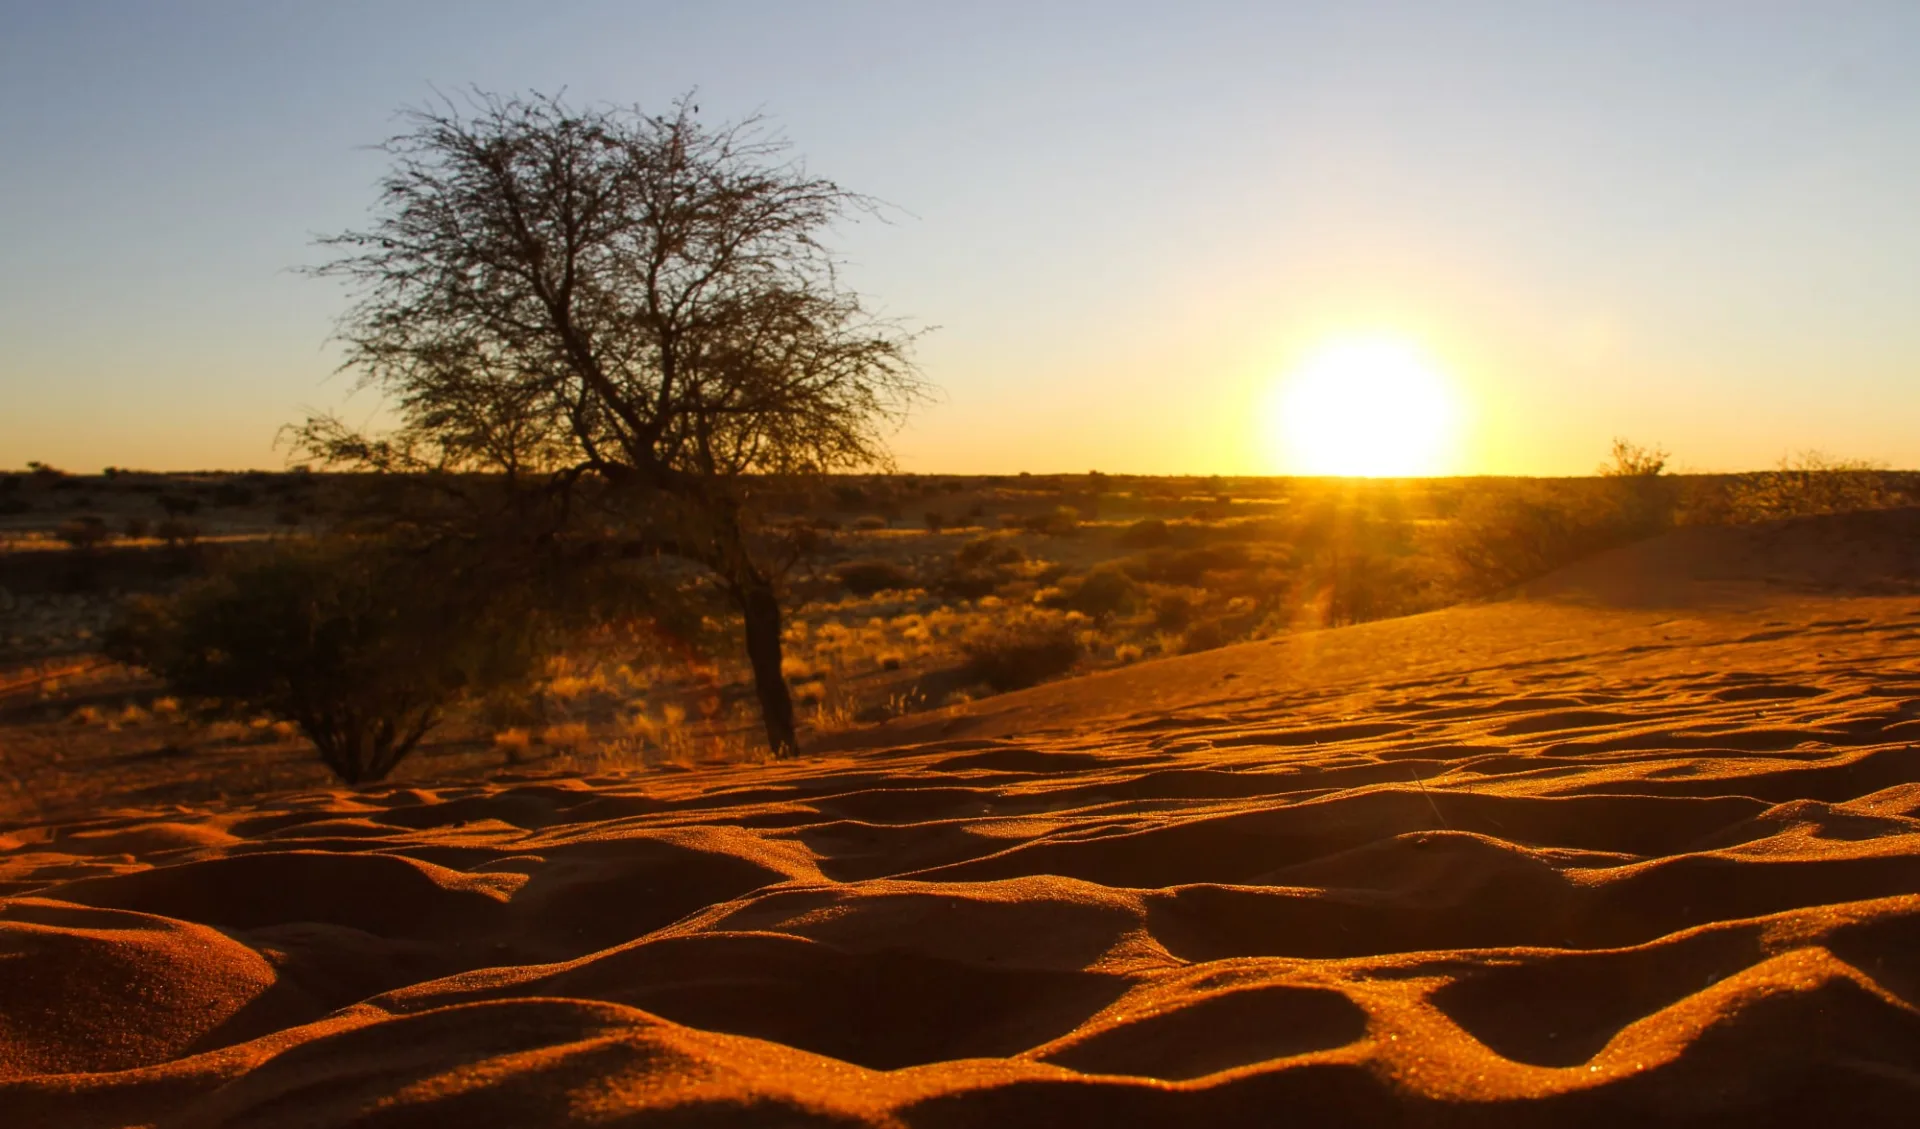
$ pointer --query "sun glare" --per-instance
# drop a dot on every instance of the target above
(1372, 406)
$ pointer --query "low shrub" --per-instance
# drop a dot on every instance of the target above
(1174, 608)
(1023, 653)
(1105, 591)
(1809, 483)
(1502, 540)
(1187, 567)
(1354, 587)
(85, 532)
(988, 551)
(1147, 533)
(1060, 521)
(232, 494)
(1207, 635)
(864, 578)
(361, 644)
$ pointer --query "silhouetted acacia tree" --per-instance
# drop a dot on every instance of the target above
(636, 302)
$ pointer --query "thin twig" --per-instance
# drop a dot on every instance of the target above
(1422, 785)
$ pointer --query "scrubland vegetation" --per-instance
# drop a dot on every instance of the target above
(364, 639)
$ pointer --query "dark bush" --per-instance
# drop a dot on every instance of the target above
(864, 578)
(1060, 521)
(179, 505)
(1502, 540)
(361, 644)
(981, 566)
(972, 583)
(1207, 635)
(1016, 656)
(1105, 591)
(1809, 483)
(1174, 609)
(1355, 586)
(988, 551)
(1148, 533)
(232, 494)
(1186, 567)
(85, 532)
(871, 522)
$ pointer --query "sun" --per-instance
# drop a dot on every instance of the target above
(1369, 406)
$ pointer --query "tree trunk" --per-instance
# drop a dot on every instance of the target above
(760, 608)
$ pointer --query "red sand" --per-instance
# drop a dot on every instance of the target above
(1622, 853)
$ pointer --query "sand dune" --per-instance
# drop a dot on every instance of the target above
(1643, 847)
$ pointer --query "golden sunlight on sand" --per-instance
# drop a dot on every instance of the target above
(1373, 406)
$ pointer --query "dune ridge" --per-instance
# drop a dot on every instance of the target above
(1539, 862)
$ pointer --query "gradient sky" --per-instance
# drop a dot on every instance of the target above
(1691, 224)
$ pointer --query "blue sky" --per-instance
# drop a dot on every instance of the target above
(1692, 224)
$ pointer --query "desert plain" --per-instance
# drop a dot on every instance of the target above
(1637, 843)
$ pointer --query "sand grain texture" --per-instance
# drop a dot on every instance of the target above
(1622, 852)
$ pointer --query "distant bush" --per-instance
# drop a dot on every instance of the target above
(14, 504)
(1060, 521)
(864, 578)
(1207, 635)
(1630, 460)
(1105, 591)
(1809, 483)
(1174, 608)
(84, 532)
(936, 521)
(363, 645)
(981, 566)
(135, 527)
(988, 551)
(176, 532)
(1148, 533)
(1187, 567)
(1014, 656)
(179, 505)
(232, 494)
(871, 522)
(1501, 540)
(1354, 587)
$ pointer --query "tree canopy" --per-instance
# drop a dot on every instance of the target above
(643, 300)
